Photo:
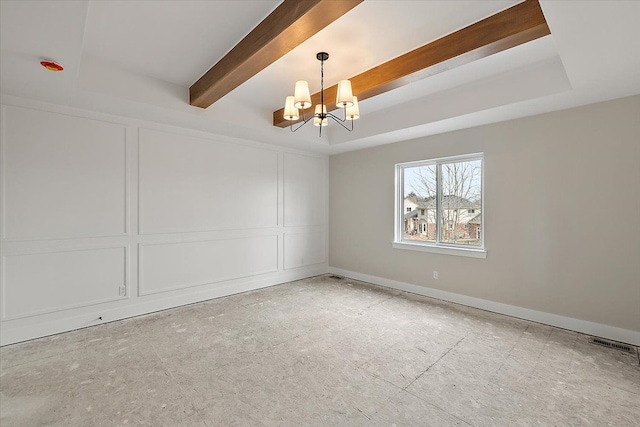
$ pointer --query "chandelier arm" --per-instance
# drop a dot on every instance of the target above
(302, 124)
(337, 120)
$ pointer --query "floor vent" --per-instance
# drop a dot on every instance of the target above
(612, 344)
(333, 276)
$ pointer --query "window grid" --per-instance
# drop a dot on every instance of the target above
(400, 195)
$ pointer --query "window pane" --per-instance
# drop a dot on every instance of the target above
(420, 203)
(461, 203)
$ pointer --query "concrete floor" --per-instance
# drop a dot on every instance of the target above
(319, 352)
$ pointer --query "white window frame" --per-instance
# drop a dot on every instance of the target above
(437, 246)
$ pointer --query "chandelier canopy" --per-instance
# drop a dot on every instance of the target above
(301, 100)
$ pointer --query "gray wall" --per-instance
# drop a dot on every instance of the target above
(562, 213)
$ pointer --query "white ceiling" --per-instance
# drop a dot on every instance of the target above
(174, 41)
(138, 58)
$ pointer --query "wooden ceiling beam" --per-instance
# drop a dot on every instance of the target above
(512, 27)
(290, 24)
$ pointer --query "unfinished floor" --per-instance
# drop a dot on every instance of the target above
(319, 351)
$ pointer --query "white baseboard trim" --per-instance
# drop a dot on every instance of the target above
(14, 334)
(582, 326)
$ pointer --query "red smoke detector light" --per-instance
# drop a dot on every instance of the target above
(51, 65)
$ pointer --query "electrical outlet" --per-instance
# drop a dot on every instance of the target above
(435, 274)
(122, 291)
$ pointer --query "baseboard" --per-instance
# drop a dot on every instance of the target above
(597, 329)
(38, 329)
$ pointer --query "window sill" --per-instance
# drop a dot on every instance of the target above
(471, 253)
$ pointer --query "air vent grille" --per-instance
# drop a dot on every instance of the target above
(612, 344)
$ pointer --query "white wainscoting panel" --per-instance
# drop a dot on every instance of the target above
(197, 184)
(302, 249)
(37, 283)
(169, 266)
(105, 217)
(304, 190)
(64, 176)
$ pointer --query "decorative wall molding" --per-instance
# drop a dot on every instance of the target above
(210, 281)
(300, 186)
(181, 140)
(28, 331)
(3, 283)
(267, 268)
(306, 253)
(3, 182)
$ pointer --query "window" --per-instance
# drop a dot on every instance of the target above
(450, 191)
(409, 209)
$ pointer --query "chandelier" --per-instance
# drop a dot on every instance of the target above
(301, 100)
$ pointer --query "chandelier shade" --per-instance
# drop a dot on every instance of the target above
(295, 105)
(344, 96)
(320, 112)
(301, 95)
(353, 112)
(290, 111)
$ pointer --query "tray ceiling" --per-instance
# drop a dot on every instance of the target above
(138, 58)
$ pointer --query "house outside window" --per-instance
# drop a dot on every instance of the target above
(448, 192)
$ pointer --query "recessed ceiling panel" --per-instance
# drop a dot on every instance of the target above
(370, 34)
